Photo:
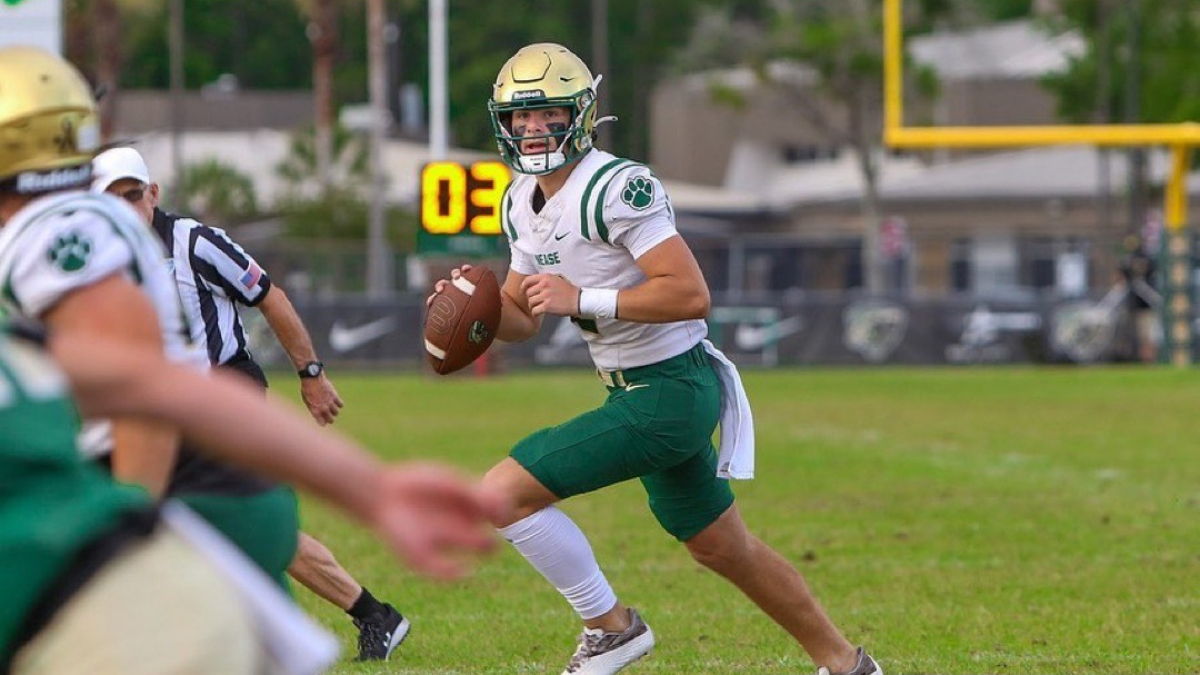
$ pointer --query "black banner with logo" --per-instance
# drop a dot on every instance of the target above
(833, 330)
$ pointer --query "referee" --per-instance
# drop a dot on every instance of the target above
(214, 275)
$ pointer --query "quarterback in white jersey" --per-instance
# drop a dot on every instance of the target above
(608, 214)
(593, 238)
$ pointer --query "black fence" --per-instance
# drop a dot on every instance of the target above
(766, 331)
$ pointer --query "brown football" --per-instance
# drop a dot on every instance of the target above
(462, 320)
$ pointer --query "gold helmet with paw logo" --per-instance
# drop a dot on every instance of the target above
(544, 75)
(49, 128)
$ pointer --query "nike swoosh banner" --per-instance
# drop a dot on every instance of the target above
(783, 331)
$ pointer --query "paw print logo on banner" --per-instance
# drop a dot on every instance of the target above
(638, 192)
(70, 252)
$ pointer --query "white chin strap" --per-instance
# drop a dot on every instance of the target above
(542, 162)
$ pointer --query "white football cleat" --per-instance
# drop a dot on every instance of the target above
(603, 653)
(865, 666)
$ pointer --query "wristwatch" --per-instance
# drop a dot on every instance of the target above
(311, 369)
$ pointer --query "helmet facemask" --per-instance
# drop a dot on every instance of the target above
(569, 142)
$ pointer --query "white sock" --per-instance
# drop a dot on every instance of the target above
(557, 548)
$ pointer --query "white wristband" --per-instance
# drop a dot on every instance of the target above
(598, 303)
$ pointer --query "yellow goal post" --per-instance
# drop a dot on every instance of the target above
(1181, 138)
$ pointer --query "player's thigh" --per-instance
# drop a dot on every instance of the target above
(594, 450)
(262, 525)
(158, 608)
(656, 424)
(688, 497)
(681, 413)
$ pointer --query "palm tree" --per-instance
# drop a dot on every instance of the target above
(323, 34)
(92, 41)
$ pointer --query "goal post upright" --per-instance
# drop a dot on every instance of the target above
(1180, 138)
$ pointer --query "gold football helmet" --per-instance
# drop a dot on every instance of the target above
(49, 128)
(544, 75)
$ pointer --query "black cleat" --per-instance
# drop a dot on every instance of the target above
(379, 636)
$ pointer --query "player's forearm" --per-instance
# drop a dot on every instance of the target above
(662, 300)
(285, 322)
(280, 444)
(212, 410)
(516, 323)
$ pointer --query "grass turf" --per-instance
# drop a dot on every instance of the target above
(956, 521)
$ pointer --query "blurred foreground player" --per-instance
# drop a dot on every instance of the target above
(214, 275)
(97, 580)
(82, 264)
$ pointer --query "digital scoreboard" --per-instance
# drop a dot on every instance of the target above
(460, 208)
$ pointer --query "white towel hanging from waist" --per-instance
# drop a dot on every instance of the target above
(735, 455)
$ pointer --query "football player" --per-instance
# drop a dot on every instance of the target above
(214, 274)
(98, 579)
(593, 238)
(81, 262)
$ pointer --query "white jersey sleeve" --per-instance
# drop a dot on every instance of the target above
(634, 211)
(66, 250)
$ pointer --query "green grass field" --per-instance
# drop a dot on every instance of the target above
(956, 521)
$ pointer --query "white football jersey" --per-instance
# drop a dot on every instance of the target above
(65, 241)
(610, 212)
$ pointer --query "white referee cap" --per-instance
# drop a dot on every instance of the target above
(116, 164)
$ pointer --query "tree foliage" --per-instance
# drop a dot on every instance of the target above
(350, 159)
(217, 193)
(264, 43)
(837, 89)
(1167, 84)
(482, 36)
(342, 213)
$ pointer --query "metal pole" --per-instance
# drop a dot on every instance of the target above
(379, 255)
(175, 54)
(438, 79)
(600, 65)
(1133, 113)
(1103, 116)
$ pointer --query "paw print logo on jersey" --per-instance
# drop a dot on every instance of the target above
(70, 252)
(638, 192)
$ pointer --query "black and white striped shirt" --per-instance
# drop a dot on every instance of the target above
(214, 274)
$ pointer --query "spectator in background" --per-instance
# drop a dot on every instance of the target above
(215, 275)
(1138, 270)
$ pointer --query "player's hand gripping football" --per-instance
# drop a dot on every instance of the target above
(551, 294)
(440, 285)
(434, 519)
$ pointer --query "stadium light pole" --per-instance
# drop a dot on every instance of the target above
(175, 55)
(438, 80)
(379, 254)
